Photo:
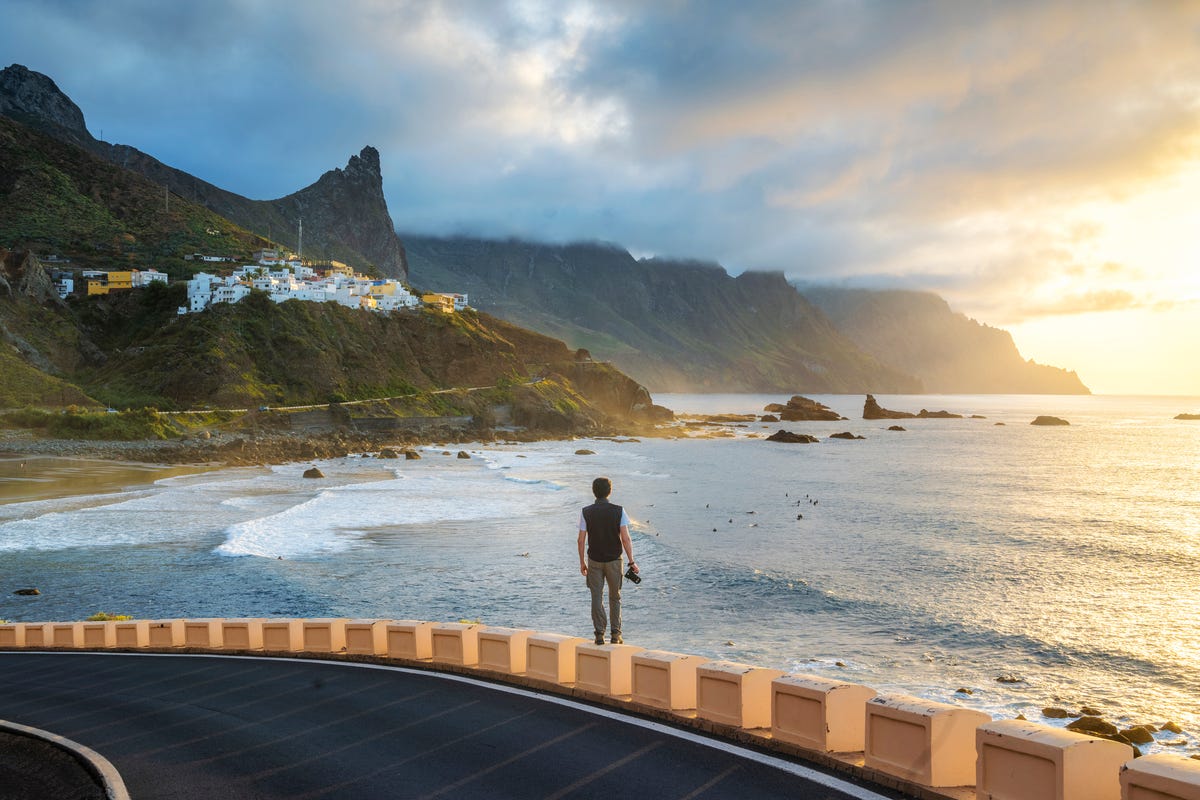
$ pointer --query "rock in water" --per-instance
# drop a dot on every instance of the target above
(27, 592)
(896, 428)
(802, 409)
(412, 455)
(463, 454)
(585, 452)
(845, 435)
(872, 410)
(1192, 417)
(388, 452)
(792, 438)
(1093, 725)
(1048, 420)
(1056, 713)
(313, 472)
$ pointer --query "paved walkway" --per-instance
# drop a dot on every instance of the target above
(183, 727)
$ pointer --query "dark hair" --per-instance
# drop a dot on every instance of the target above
(602, 488)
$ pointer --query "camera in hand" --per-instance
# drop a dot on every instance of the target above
(633, 576)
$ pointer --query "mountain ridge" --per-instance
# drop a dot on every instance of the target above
(345, 212)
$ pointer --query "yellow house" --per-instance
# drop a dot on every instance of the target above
(337, 267)
(111, 282)
(381, 289)
(442, 302)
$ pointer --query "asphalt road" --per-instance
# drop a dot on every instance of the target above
(183, 727)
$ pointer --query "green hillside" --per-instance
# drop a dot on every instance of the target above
(59, 199)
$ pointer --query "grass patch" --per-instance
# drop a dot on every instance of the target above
(124, 426)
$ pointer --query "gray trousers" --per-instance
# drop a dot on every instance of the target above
(598, 574)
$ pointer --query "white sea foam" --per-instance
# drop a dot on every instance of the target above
(338, 518)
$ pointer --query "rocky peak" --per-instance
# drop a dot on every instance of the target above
(30, 96)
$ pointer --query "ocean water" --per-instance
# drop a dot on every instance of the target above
(1063, 561)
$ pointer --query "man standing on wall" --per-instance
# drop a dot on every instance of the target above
(604, 531)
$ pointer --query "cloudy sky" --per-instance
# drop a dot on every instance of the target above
(1037, 164)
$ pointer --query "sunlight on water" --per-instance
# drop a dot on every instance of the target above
(946, 556)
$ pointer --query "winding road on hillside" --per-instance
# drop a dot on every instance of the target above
(187, 727)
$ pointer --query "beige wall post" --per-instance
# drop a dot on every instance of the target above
(12, 634)
(503, 649)
(818, 713)
(1162, 776)
(455, 643)
(66, 634)
(132, 633)
(605, 668)
(323, 635)
(735, 694)
(1020, 760)
(924, 741)
(204, 633)
(166, 633)
(366, 637)
(242, 634)
(551, 656)
(664, 679)
(410, 638)
(99, 634)
(282, 635)
(37, 634)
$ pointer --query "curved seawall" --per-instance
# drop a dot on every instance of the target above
(922, 748)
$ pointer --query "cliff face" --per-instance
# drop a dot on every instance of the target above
(951, 353)
(363, 238)
(672, 325)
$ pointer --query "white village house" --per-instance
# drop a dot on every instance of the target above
(295, 281)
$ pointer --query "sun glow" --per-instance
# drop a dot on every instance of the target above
(1126, 313)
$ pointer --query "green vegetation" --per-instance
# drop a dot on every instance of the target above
(58, 198)
(101, 616)
(73, 423)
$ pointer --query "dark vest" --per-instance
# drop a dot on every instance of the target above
(603, 531)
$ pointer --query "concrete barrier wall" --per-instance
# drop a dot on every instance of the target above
(1161, 777)
(735, 694)
(1021, 760)
(921, 742)
(666, 680)
(930, 743)
(824, 715)
(503, 649)
(605, 668)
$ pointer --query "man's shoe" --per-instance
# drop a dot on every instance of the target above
(599, 638)
(617, 639)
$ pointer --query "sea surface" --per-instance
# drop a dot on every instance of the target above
(1031, 566)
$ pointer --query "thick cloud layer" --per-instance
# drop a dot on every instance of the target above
(991, 152)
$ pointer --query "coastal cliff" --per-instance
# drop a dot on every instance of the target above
(951, 353)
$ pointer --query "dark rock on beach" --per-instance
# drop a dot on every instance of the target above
(388, 452)
(313, 472)
(1172, 727)
(1138, 734)
(1048, 420)
(1056, 713)
(845, 435)
(1093, 725)
(792, 438)
(463, 454)
(768, 418)
(412, 455)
